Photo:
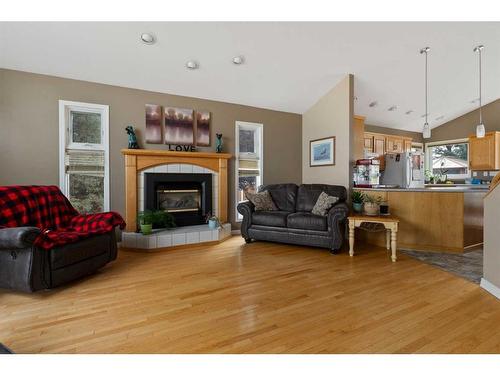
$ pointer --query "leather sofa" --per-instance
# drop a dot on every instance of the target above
(25, 267)
(293, 222)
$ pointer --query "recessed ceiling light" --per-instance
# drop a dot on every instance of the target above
(439, 118)
(393, 108)
(148, 38)
(474, 101)
(192, 64)
(238, 60)
(409, 112)
(373, 104)
(355, 98)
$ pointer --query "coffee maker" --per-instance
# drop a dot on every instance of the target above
(366, 173)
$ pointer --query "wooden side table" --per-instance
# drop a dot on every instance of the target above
(390, 224)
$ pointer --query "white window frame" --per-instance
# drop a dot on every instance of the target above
(428, 156)
(259, 144)
(66, 143)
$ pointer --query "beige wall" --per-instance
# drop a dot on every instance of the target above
(29, 129)
(415, 136)
(491, 261)
(465, 125)
(332, 115)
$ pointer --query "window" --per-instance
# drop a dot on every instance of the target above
(84, 155)
(450, 159)
(248, 160)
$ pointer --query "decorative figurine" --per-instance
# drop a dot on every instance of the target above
(218, 143)
(132, 138)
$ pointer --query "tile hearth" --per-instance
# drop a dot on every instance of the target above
(161, 238)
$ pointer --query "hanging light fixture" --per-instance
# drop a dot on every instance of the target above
(427, 129)
(480, 130)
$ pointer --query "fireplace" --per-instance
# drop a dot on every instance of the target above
(187, 196)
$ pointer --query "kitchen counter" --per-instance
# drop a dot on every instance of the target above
(434, 218)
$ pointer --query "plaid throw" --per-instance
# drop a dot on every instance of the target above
(46, 208)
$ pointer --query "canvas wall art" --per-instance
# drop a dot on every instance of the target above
(203, 128)
(179, 126)
(153, 123)
(322, 152)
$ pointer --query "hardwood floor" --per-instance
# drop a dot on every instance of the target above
(256, 298)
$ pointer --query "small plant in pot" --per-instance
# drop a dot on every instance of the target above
(372, 204)
(357, 199)
(146, 221)
(213, 221)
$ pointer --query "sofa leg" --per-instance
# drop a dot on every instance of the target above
(334, 251)
(248, 240)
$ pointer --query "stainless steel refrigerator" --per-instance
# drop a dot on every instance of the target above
(405, 170)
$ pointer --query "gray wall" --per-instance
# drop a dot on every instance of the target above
(29, 130)
(465, 125)
(416, 137)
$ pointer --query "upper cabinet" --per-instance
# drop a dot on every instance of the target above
(484, 153)
(359, 131)
(394, 145)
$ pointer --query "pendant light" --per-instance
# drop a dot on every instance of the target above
(480, 130)
(427, 129)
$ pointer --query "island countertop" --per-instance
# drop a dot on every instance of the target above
(433, 189)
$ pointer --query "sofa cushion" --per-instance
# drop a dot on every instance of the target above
(307, 195)
(262, 201)
(307, 220)
(323, 204)
(284, 195)
(270, 218)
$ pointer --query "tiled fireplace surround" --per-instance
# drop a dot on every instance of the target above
(183, 235)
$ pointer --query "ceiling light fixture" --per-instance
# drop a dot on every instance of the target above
(409, 112)
(392, 109)
(238, 60)
(480, 130)
(373, 104)
(148, 38)
(439, 118)
(192, 65)
(427, 129)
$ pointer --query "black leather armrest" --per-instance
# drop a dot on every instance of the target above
(18, 238)
(336, 219)
(245, 209)
(340, 210)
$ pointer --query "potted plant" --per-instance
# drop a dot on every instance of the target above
(357, 198)
(145, 219)
(372, 204)
(213, 221)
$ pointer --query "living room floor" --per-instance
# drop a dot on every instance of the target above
(256, 298)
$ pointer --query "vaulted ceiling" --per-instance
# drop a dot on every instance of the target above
(288, 66)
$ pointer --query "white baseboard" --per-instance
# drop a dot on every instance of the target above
(236, 232)
(489, 287)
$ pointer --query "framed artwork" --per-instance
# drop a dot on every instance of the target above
(179, 126)
(322, 152)
(203, 128)
(153, 123)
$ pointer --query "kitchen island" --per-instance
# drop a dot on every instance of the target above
(437, 218)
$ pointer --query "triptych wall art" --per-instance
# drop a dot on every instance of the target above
(177, 126)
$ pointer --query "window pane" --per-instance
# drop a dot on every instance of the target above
(451, 159)
(86, 127)
(247, 141)
(246, 184)
(86, 193)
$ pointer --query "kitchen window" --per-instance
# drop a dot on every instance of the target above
(449, 158)
(249, 160)
(84, 155)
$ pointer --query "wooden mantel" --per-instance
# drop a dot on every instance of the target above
(138, 160)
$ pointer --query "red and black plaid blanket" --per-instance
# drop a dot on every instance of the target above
(46, 208)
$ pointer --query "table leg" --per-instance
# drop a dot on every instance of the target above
(394, 241)
(388, 239)
(351, 239)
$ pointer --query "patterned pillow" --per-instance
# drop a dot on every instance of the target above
(262, 201)
(323, 204)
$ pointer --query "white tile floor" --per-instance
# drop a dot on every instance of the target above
(174, 237)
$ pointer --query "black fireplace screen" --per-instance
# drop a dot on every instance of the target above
(187, 196)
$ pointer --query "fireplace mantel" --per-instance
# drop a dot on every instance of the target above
(138, 160)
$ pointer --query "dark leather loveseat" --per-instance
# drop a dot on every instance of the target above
(294, 223)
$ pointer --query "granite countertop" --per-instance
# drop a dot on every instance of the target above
(446, 189)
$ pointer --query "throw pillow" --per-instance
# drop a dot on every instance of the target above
(323, 204)
(262, 201)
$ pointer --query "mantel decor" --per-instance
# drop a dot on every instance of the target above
(139, 160)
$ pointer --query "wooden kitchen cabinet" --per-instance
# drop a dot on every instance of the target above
(368, 142)
(379, 144)
(484, 153)
(394, 144)
(407, 145)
